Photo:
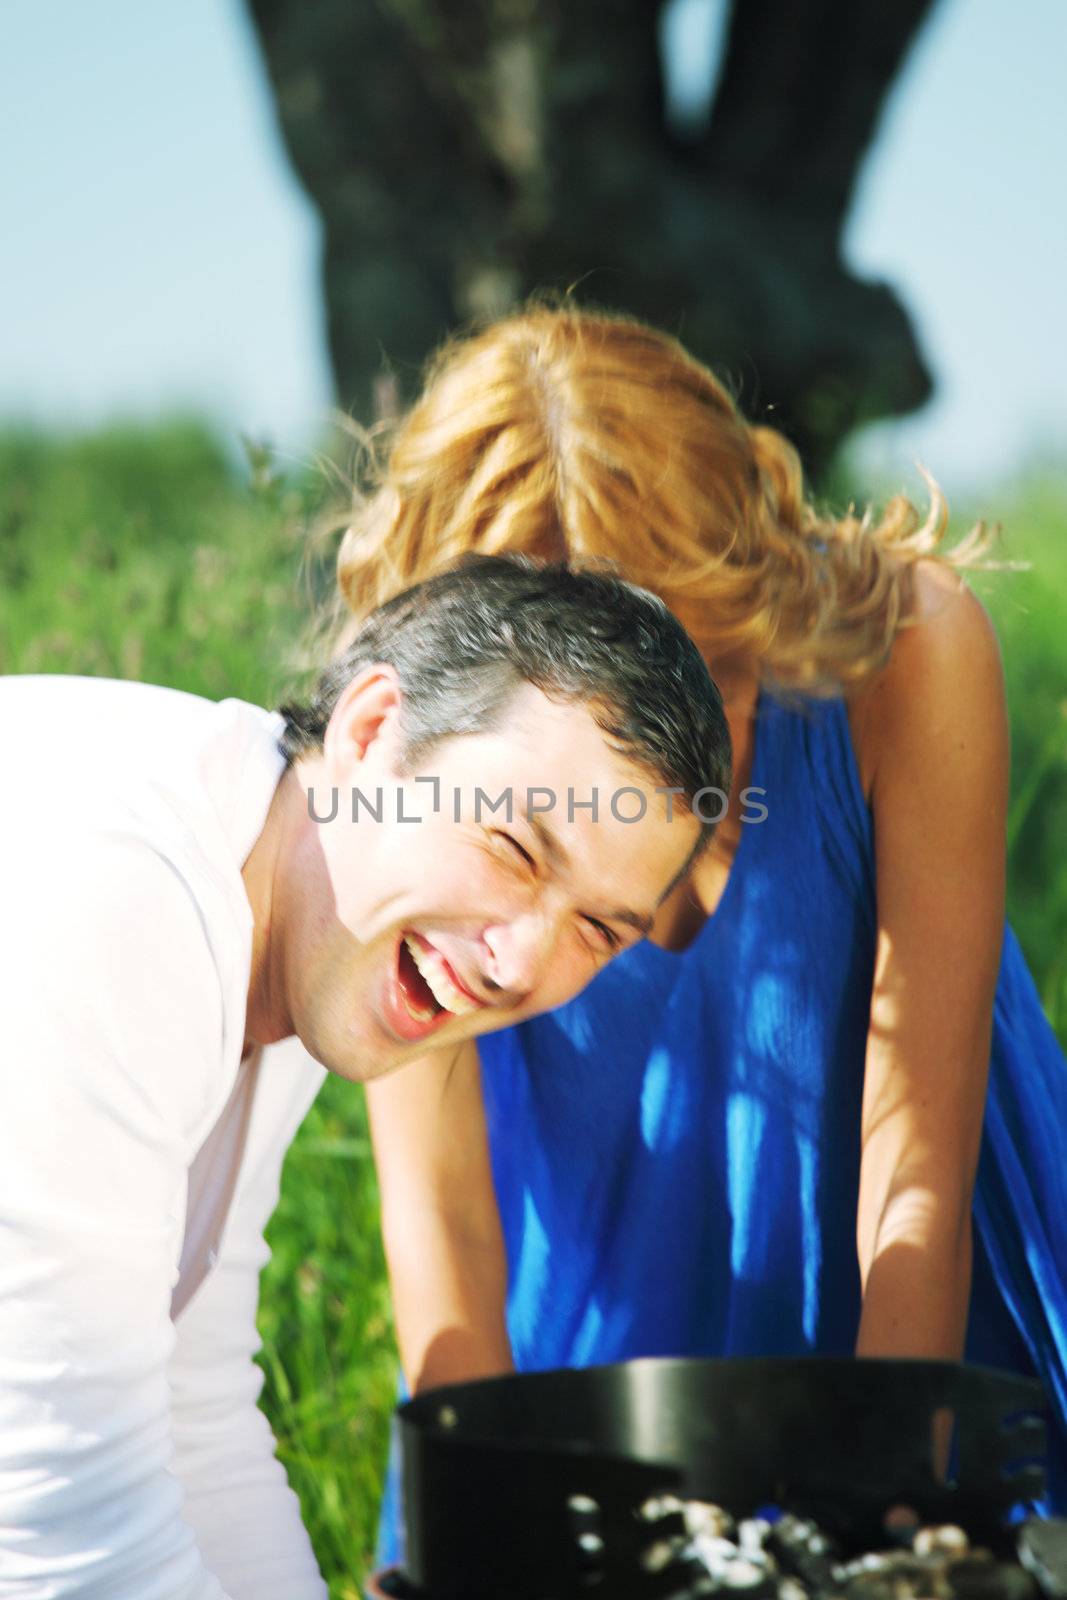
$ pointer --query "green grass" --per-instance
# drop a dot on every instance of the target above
(1030, 611)
(143, 554)
(328, 1349)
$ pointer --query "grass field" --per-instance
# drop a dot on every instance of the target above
(143, 554)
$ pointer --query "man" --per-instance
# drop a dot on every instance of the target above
(488, 795)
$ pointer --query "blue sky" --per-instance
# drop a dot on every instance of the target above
(157, 252)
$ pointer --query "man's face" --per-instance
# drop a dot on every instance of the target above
(447, 919)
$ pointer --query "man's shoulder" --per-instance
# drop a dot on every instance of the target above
(109, 966)
(98, 893)
(53, 719)
(108, 753)
(125, 822)
(34, 696)
(85, 738)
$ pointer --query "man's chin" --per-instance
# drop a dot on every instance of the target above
(374, 1051)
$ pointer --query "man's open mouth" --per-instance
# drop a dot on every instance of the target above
(427, 989)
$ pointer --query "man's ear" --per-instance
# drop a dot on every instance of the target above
(367, 711)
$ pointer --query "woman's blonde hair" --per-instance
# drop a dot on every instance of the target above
(567, 433)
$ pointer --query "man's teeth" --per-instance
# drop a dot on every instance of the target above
(444, 991)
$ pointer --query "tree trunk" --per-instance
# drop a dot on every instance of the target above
(463, 156)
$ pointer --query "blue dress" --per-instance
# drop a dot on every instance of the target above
(676, 1152)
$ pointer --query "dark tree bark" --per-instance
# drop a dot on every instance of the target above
(463, 156)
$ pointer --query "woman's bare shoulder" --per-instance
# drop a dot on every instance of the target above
(944, 666)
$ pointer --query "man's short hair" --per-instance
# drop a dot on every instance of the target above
(465, 640)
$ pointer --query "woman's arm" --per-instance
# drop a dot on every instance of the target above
(440, 1224)
(935, 736)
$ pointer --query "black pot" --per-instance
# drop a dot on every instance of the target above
(546, 1484)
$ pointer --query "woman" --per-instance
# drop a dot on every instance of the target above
(761, 1130)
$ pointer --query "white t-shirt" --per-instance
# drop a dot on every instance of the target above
(134, 1462)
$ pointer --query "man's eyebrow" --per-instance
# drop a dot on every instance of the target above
(556, 852)
(641, 920)
(550, 841)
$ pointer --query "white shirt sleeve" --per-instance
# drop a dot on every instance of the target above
(246, 1518)
(112, 1017)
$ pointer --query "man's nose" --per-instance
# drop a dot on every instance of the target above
(519, 954)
